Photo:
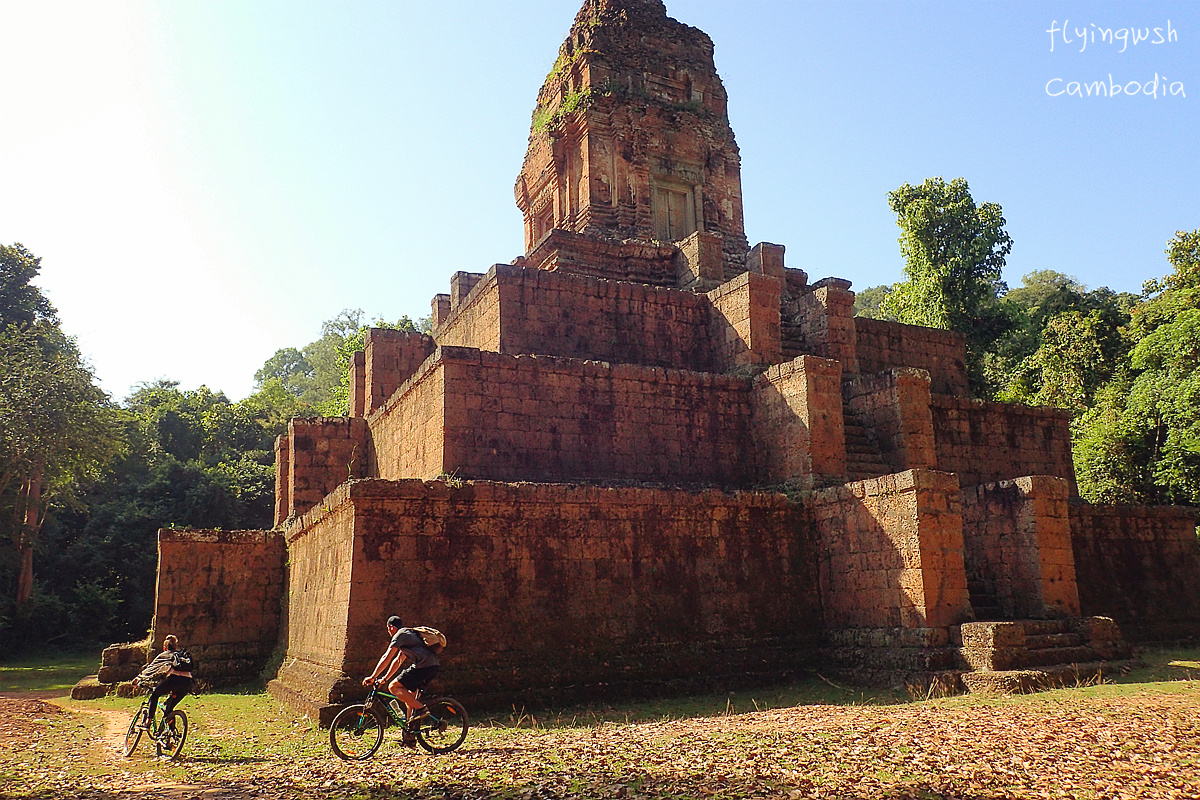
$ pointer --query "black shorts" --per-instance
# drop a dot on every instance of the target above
(412, 678)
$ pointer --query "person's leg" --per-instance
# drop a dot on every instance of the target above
(409, 698)
(154, 698)
(409, 682)
(177, 693)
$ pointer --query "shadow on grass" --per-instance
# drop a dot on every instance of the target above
(811, 690)
(189, 759)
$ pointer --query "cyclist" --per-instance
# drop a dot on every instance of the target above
(405, 645)
(178, 680)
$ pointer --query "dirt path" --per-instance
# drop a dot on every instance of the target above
(22, 723)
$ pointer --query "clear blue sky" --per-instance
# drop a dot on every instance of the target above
(207, 181)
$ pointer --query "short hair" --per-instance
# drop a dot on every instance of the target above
(395, 622)
(172, 642)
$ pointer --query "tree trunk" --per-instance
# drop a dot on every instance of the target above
(28, 505)
(25, 581)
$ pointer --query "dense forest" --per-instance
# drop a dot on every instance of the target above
(85, 481)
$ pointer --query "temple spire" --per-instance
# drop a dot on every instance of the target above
(630, 138)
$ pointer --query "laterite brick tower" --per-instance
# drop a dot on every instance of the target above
(646, 457)
(631, 139)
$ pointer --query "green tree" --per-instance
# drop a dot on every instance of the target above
(57, 428)
(313, 374)
(1068, 342)
(289, 369)
(318, 374)
(194, 459)
(1140, 442)
(954, 254)
(22, 303)
(869, 303)
(1074, 359)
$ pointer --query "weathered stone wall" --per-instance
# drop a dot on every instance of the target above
(320, 573)
(321, 453)
(798, 423)
(1018, 546)
(635, 262)
(390, 358)
(987, 442)
(825, 322)
(745, 317)
(1139, 565)
(221, 593)
(527, 311)
(407, 434)
(549, 419)
(883, 345)
(892, 552)
(554, 591)
(475, 320)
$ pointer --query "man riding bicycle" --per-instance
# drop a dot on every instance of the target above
(178, 680)
(405, 645)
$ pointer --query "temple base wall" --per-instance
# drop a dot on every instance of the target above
(986, 442)
(1018, 548)
(483, 415)
(892, 552)
(552, 593)
(221, 593)
(1139, 565)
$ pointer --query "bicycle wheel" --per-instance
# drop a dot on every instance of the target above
(445, 728)
(133, 735)
(174, 734)
(356, 733)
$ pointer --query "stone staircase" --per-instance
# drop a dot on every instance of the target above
(863, 459)
(790, 343)
(1028, 655)
(983, 601)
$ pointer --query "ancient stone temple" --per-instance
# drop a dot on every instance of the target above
(645, 456)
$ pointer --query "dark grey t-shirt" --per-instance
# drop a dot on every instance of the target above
(414, 648)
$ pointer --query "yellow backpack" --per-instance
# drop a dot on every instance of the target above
(434, 639)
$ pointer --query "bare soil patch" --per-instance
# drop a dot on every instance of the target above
(23, 717)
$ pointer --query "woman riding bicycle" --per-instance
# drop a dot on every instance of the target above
(177, 683)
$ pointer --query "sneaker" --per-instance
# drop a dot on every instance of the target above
(409, 740)
(418, 715)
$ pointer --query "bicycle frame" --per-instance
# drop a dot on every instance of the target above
(168, 735)
(402, 721)
(357, 731)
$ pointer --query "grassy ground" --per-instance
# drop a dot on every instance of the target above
(49, 672)
(1132, 735)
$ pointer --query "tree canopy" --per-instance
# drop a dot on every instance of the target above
(1140, 440)
(57, 428)
(954, 254)
(317, 375)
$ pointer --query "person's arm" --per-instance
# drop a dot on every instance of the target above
(394, 667)
(388, 656)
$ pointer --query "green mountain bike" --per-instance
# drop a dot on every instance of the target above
(357, 731)
(168, 736)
